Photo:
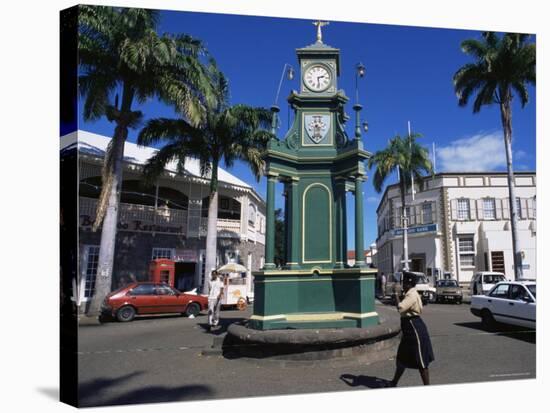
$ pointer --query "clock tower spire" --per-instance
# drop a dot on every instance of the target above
(320, 24)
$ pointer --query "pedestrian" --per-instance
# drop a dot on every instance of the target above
(415, 350)
(383, 284)
(214, 300)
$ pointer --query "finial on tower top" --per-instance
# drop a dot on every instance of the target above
(320, 24)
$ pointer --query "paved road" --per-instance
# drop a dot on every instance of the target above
(159, 360)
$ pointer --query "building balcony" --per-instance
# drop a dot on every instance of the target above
(227, 228)
(160, 220)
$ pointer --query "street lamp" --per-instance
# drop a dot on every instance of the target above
(275, 109)
(359, 72)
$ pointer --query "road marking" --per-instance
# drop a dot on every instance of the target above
(510, 375)
(134, 350)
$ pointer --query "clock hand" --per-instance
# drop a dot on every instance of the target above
(319, 77)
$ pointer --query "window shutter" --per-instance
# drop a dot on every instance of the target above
(473, 215)
(505, 208)
(530, 214)
(524, 206)
(454, 203)
(479, 204)
(498, 209)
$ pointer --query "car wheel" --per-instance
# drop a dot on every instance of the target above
(459, 301)
(126, 313)
(487, 320)
(432, 298)
(192, 309)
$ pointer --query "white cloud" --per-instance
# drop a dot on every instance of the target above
(478, 153)
(372, 199)
(518, 155)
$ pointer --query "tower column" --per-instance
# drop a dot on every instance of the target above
(270, 224)
(341, 241)
(293, 225)
(359, 243)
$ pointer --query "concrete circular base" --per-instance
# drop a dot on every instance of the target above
(369, 344)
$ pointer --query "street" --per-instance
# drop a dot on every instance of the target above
(158, 359)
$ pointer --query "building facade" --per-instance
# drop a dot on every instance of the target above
(459, 223)
(167, 219)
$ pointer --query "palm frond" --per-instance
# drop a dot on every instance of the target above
(522, 92)
(156, 164)
(96, 89)
(157, 130)
(502, 62)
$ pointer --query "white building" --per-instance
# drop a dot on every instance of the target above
(165, 220)
(459, 224)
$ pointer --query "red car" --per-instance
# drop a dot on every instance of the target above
(142, 298)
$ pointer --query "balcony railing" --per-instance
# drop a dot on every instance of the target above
(145, 218)
(227, 228)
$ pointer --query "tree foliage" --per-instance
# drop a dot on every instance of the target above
(403, 154)
(122, 59)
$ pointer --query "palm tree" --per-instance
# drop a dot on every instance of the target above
(410, 160)
(503, 64)
(119, 51)
(229, 133)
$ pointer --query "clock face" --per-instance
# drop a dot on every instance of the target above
(317, 78)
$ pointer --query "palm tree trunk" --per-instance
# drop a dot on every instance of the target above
(212, 229)
(104, 274)
(506, 117)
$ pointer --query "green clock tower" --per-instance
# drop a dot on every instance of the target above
(318, 164)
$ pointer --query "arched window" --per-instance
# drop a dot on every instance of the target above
(136, 192)
(228, 208)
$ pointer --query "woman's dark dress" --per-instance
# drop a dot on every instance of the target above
(415, 350)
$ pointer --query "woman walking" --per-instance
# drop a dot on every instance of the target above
(415, 350)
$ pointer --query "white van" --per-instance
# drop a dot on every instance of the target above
(483, 281)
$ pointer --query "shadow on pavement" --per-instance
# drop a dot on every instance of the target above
(93, 388)
(519, 333)
(90, 393)
(221, 328)
(160, 394)
(366, 381)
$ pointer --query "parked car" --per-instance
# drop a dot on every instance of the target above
(142, 298)
(448, 290)
(482, 282)
(426, 291)
(510, 302)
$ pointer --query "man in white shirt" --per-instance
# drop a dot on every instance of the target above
(214, 300)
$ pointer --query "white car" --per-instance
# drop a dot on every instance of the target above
(482, 282)
(509, 302)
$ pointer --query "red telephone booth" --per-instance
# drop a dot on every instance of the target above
(162, 270)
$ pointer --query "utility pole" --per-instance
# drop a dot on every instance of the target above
(404, 219)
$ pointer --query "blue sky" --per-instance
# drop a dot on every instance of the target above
(408, 78)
